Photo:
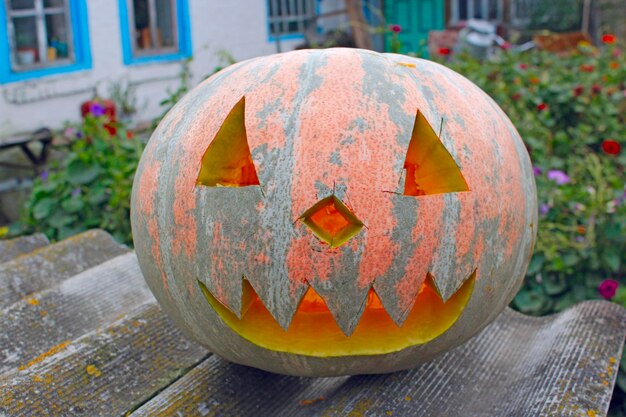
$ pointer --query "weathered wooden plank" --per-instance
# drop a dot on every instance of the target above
(108, 372)
(561, 365)
(93, 298)
(12, 248)
(48, 266)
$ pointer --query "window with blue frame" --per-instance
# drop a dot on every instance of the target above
(154, 30)
(42, 37)
(290, 17)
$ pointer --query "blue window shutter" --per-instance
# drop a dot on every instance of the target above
(82, 49)
(184, 36)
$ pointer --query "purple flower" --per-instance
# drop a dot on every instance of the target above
(79, 135)
(76, 192)
(559, 177)
(607, 288)
(536, 170)
(96, 109)
(544, 209)
(44, 175)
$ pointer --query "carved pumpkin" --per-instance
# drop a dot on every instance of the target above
(334, 212)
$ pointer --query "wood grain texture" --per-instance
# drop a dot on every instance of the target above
(78, 305)
(108, 372)
(562, 365)
(12, 248)
(50, 265)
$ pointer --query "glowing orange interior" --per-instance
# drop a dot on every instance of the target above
(227, 161)
(331, 221)
(430, 169)
(314, 332)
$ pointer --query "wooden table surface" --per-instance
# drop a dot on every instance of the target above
(81, 335)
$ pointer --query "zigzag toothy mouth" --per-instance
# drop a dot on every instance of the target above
(314, 332)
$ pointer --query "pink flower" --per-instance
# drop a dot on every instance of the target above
(560, 177)
(523, 66)
(607, 288)
(395, 28)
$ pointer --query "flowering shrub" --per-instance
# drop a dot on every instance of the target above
(571, 113)
(91, 187)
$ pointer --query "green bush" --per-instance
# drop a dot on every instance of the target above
(571, 113)
(91, 187)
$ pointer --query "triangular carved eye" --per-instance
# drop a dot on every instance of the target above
(227, 161)
(430, 169)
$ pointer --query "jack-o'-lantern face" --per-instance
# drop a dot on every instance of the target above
(334, 211)
(428, 169)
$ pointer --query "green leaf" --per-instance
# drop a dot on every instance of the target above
(531, 302)
(97, 196)
(570, 259)
(611, 259)
(564, 302)
(80, 173)
(66, 232)
(73, 205)
(59, 219)
(43, 208)
(555, 285)
(535, 264)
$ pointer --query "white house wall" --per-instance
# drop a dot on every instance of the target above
(236, 26)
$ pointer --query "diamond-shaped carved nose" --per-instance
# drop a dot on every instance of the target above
(332, 222)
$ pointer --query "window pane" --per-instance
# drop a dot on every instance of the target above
(165, 23)
(53, 3)
(22, 4)
(26, 45)
(142, 24)
(57, 36)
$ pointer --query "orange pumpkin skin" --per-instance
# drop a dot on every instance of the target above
(323, 123)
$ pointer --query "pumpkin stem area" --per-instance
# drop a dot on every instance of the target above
(331, 221)
(227, 162)
(430, 169)
(314, 332)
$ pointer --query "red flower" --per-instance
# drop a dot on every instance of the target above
(516, 96)
(506, 46)
(608, 38)
(110, 127)
(578, 90)
(608, 288)
(523, 66)
(611, 147)
(542, 106)
(129, 135)
(586, 68)
(395, 28)
(444, 51)
(596, 89)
